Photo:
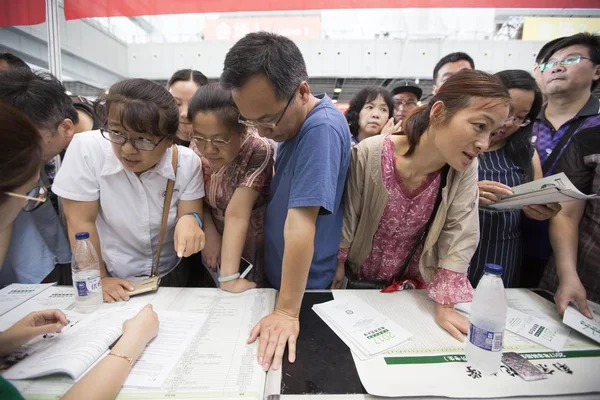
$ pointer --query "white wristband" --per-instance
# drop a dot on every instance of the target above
(228, 278)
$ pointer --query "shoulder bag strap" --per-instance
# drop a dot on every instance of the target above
(166, 207)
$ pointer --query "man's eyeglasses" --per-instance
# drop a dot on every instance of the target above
(405, 104)
(200, 141)
(518, 121)
(567, 61)
(35, 198)
(119, 138)
(270, 125)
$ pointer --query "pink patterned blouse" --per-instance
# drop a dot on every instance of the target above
(402, 222)
(253, 168)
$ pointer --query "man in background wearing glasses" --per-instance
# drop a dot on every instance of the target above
(569, 72)
(267, 76)
(38, 242)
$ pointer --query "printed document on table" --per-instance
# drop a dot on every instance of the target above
(18, 293)
(217, 364)
(434, 352)
(75, 350)
(364, 330)
(175, 333)
(61, 297)
(552, 189)
(581, 323)
(544, 331)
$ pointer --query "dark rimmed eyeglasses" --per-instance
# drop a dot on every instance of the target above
(118, 138)
(270, 125)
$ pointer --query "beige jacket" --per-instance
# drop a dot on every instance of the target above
(454, 234)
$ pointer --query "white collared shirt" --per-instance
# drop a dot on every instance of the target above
(131, 206)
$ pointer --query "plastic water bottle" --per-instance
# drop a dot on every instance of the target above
(86, 275)
(487, 322)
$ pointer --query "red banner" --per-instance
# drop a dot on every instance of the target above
(22, 12)
(75, 9)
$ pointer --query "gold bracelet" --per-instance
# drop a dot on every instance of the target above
(129, 359)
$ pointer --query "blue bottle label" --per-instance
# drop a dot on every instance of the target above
(81, 288)
(88, 286)
(486, 340)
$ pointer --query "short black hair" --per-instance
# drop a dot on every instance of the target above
(450, 58)
(589, 40)
(519, 146)
(186, 75)
(361, 98)
(212, 98)
(274, 56)
(545, 48)
(39, 95)
(146, 107)
(14, 61)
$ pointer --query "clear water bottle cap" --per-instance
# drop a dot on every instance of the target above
(82, 235)
(493, 269)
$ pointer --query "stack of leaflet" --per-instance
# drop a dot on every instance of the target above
(365, 330)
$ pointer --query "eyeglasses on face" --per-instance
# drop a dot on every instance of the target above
(119, 138)
(567, 61)
(405, 104)
(200, 141)
(270, 125)
(518, 121)
(35, 198)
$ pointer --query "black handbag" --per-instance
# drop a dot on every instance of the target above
(355, 283)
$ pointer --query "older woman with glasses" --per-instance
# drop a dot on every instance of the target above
(238, 167)
(509, 161)
(113, 184)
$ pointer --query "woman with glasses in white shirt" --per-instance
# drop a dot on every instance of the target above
(20, 164)
(113, 184)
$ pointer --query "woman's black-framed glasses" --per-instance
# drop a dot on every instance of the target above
(140, 144)
(35, 198)
(270, 125)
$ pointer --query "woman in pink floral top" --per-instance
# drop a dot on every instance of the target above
(237, 166)
(391, 193)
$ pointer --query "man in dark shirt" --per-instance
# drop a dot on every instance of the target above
(570, 71)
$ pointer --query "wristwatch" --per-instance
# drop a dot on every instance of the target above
(197, 216)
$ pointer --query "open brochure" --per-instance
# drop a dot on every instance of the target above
(552, 189)
(200, 350)
(74, 350)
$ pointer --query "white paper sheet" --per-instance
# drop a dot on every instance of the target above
(217, 364)
(538, 329)
(175, 334)
(61, 297)
(364, 330)
(433, 363)
(18, 293)
(589, 327)
(552, 189)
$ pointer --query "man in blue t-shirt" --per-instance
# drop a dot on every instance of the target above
(267, 76)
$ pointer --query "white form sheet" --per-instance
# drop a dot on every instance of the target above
(582, 324)
(218, 364)
(433, 363)
(175, 333)
(61, 297)
(18, 293)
